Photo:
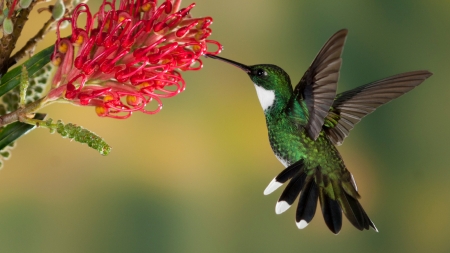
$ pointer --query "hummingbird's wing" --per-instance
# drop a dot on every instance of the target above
(317, 88)
(351, 106)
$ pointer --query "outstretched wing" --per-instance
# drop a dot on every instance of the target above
(351, 106)
(317, 88)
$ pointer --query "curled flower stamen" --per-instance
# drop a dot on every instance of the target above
(86, 97)
(108, 65)
(158, 108)
(127, 59)
(219, 47)
(144, 50)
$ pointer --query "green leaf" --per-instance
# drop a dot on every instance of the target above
(14, 130)
(11, 79)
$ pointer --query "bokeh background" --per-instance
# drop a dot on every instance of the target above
(190, 179)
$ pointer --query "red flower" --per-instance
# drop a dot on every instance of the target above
(131, 57)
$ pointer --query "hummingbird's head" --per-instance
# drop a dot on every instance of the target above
(271, 81)
(268, 76)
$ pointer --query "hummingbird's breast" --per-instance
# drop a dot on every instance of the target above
(291, 143)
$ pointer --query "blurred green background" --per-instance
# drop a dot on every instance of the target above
(191, 178)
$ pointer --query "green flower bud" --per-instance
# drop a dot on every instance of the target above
(8, 26)
(24, 3)
(59, 9)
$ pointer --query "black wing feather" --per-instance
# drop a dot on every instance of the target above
(318, 86)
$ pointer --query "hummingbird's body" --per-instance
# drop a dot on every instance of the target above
(305, 123)
(291, 143)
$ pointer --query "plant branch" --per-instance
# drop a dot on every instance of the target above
(31, 43)
(21, 113)
(8, 43)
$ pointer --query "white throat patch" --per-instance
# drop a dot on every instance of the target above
(266, 97)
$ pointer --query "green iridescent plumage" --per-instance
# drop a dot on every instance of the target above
(305, 124)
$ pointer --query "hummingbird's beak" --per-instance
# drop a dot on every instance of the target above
(237, 64)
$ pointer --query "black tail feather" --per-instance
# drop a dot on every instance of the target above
(354, 212)
(290, 171)
(363, 218)
(293, 189)
(332, 213)
(336, 197)
(371, 224)
(307, 203)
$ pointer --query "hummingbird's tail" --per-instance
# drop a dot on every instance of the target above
(335, 197)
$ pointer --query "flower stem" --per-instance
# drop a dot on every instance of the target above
(21, 114)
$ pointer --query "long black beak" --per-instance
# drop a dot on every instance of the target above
(237, 64)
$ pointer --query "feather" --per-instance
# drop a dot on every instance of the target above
(331, 211)
(290, 193)
(351, 106)
(284, 176)
(318, 86)
(352, 208)
(307, 203)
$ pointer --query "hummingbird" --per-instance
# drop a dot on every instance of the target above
(306, 123)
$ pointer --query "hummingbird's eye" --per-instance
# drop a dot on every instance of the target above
(261, 72)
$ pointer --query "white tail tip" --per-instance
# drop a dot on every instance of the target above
(273, 185)
(281, 207)
(302, 224)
